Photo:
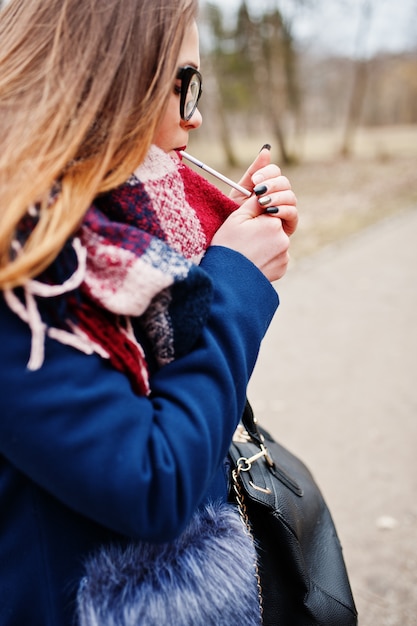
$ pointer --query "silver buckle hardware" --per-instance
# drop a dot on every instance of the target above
(244, 465)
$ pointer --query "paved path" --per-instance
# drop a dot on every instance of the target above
(337, 383)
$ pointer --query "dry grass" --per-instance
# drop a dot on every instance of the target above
(337, 197)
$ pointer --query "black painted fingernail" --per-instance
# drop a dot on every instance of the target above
(266, 146)
(272, 210)
(260, 189)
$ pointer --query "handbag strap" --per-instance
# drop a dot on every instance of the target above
(249, 423)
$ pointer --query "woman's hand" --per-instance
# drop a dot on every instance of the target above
(262, 237)
(273, 190)
(258, 236)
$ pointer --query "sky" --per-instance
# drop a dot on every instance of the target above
(333, 25)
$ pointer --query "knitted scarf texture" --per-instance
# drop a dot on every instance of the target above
(133, 290)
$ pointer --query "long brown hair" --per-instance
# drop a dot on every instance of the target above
(83, 84)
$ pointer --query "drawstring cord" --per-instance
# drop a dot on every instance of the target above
(29, 312)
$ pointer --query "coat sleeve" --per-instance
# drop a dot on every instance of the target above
(136, 465)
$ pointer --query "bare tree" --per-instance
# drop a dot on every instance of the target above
(215, 62)
(360, 80)
(256, 64)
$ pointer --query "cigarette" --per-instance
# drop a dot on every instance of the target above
(213, 172)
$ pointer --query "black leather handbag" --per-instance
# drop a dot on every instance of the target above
(301, 571)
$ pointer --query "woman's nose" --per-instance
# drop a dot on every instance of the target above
(195, 120)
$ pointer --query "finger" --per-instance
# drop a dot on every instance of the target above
(266, 175)
(288, 215)
(249, 209)
(261, 161)
(289, 218)
(276, 183)
(278, 198)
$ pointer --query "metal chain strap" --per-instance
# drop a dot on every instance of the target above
(243, 513)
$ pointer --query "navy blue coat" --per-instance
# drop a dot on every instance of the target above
(84, 461)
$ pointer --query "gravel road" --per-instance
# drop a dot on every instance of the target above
(336, 382)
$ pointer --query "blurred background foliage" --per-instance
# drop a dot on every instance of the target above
(332, 85)
(338, 104)
(260, 77)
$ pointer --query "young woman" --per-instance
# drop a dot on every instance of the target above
(131, 316)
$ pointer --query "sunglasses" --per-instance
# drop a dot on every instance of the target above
(190, 91)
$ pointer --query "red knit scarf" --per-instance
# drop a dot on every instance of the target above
(142, 297)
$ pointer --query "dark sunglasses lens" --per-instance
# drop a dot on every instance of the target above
(190, 92)
(192, 96)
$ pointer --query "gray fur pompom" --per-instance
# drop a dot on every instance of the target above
(204, 578)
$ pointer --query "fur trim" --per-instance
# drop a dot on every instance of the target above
(204, 578)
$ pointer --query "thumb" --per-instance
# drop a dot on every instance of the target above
(261, 160)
